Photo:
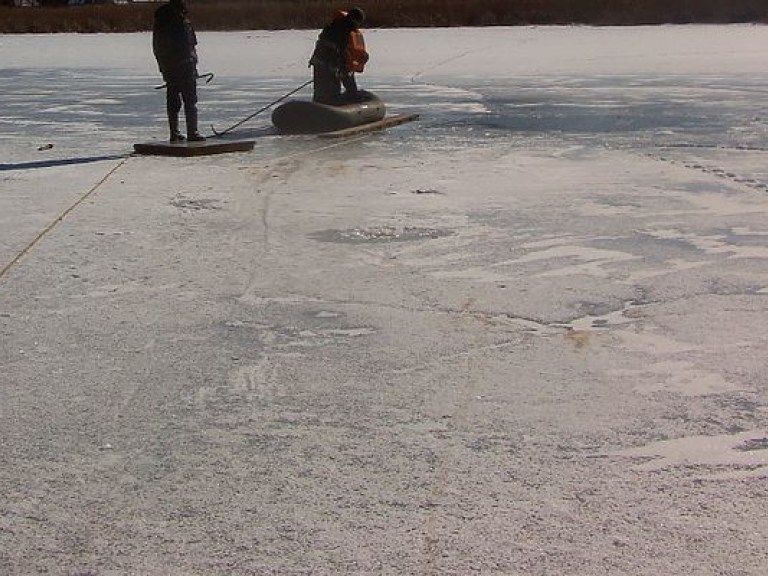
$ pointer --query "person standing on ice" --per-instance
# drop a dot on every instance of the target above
(339, 53)
(173, 43)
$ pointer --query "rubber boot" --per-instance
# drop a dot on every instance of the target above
(173, 123)
(192, 134)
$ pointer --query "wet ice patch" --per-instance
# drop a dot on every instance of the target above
(602, 320)
(102, 101)
(711, 451)
(683, 378)
(326, 314)
(348, 332)
(250, 297)
(425, 191)
(728, 243)
(573, 259)
(380, 234)
(753, 444)
(195, 204)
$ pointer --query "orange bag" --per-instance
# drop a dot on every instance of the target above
(356, 54)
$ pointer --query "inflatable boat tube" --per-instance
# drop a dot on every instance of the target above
(303, 117)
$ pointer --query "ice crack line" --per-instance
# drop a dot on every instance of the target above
(448, 60)
(29, 247)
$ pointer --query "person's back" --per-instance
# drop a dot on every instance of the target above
(173, 38)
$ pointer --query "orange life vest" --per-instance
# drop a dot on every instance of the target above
(356, 53)
(356, 56)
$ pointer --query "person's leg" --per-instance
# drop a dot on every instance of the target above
(350, 86)
(173, 106)
(189, 96)
(326, 85)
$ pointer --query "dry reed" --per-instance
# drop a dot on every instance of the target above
(277, 14)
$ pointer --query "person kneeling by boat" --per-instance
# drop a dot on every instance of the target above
(339, 53)
(173, 43)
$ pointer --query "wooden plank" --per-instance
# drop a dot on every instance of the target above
(371, 126)
(187, 148)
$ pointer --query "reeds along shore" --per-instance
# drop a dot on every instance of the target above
(297, 14)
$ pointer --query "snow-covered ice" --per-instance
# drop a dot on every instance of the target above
(523, 335)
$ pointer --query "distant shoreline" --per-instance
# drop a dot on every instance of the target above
(233, 15)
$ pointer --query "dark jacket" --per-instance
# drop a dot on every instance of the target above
(173, 38)
(331, 47)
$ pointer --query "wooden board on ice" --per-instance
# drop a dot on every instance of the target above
(186, 148)
(371, 126)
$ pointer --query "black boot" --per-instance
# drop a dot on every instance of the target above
(192, 134)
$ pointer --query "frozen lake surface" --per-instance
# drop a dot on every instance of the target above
(523, 335)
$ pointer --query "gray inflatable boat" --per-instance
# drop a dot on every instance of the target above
(304, 117)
